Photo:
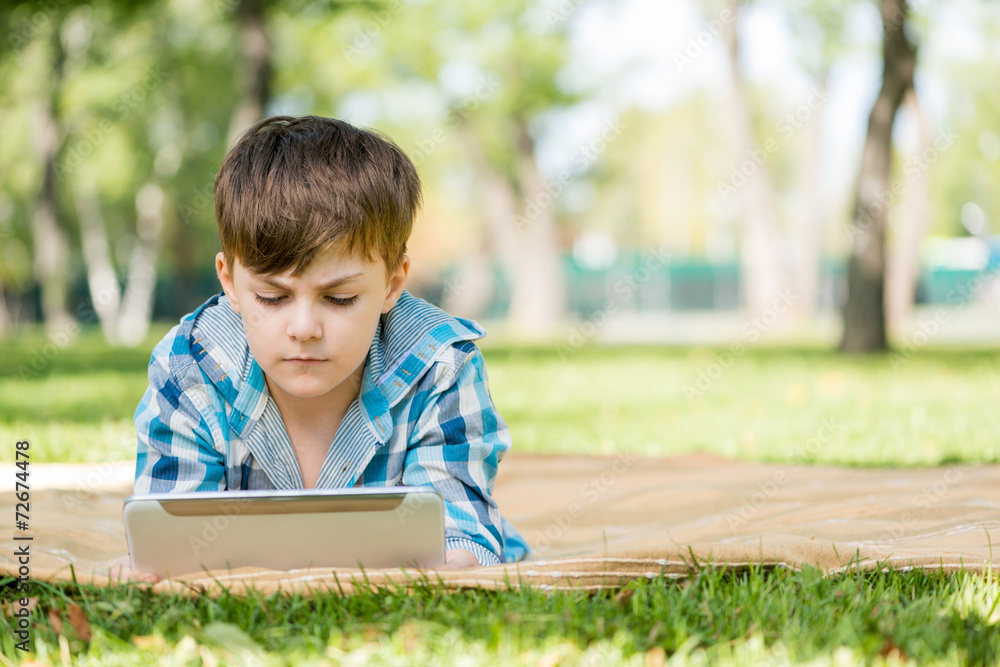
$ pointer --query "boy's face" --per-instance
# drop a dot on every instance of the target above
(311, 333)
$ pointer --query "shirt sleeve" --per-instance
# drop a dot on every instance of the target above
(455, 447)
(175, 450)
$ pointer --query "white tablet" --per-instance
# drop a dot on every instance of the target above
(173, 534)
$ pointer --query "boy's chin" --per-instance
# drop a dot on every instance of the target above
(303, 387)
(306, 390)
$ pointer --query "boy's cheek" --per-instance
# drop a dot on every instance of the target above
(253, 319)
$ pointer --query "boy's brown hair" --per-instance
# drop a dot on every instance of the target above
(291, 187)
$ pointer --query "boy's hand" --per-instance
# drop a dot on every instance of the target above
(455, 559)
(122, 570)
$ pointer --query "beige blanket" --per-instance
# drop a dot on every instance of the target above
(594, 522)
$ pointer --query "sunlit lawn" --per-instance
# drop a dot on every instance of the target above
(939, 406)
(717, 617)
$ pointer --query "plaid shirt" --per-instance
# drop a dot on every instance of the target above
(424, 417)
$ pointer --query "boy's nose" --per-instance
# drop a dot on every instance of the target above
(304, 323)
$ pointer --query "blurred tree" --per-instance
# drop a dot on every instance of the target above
(760, 279)
(965, 154)
(864, 312)
(913, 222)
(70, 142)
(254, 66)
(818, 26)
(50, 241)
(19, 188)
(494, 66)
(124, 316)
(160, 74)
(206, 73)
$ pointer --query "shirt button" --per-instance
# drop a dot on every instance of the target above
(344, 469)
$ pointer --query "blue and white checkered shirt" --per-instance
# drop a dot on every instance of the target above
(424, 417)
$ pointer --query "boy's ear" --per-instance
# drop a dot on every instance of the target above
(226, 278)
(397, 281)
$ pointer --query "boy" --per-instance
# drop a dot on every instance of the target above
(315, 368)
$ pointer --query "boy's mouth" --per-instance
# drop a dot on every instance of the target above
(305, 361)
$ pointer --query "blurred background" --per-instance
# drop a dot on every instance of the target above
(684, 171)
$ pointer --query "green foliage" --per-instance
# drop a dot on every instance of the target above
(148, 88)
(967, 168)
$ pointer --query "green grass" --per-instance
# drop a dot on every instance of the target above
(937, 407)
(750, 617)
(74, 403)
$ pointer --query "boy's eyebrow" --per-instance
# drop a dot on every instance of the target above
(336, 282)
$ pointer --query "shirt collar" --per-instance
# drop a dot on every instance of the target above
(418, 333)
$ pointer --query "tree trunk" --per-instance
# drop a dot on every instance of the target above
(5, 323)
(526, 242)
(124, 320)
(812, 216)
(51, 247)
(903, 270)
(499, 203)
(137, 304)
(864, 312)
(760, 274)
(102, 279)
(468, 293)
(255, 70)
(538, 294)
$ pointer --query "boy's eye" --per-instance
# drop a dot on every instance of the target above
(272, 301)
(268, 301)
